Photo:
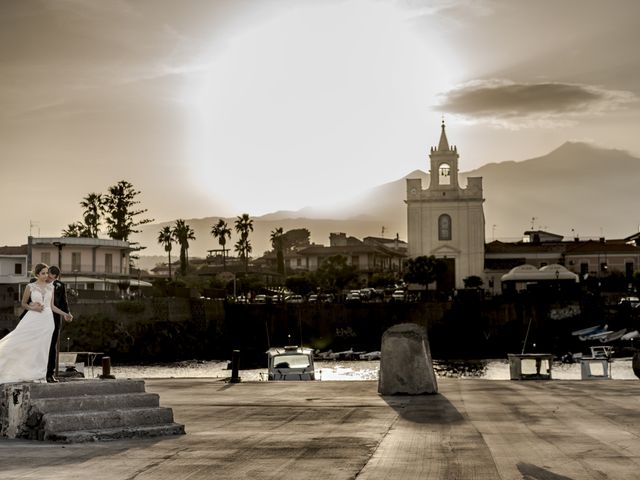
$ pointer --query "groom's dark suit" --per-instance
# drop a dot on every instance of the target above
(60, 301)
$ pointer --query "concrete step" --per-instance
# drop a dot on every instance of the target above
(95, 402)
(115, 433)
(104, 419)
(84, 388)
(83, 410)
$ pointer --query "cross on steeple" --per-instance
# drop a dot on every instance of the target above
(443, 145)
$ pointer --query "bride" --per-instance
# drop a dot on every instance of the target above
(24, 352)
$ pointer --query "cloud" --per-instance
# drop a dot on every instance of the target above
(516, 105)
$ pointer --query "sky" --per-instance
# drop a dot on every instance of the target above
(221, 107)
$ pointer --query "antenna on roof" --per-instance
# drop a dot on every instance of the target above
(383, 230)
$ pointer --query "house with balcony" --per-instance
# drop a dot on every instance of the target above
(89, 264)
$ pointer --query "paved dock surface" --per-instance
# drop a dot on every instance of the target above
(473, 429)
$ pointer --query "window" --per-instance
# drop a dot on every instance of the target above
(298, 262)
(628, 269)
(603, 267)
(17, 269)
(444, 227)
(355, 260)
(75, 261)
(108, 263)
(584, 268)
(45, 257)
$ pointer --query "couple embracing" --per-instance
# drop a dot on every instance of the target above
(29, 352)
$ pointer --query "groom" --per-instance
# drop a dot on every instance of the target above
(60, 301)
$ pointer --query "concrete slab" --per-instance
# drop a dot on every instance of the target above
(472, 429)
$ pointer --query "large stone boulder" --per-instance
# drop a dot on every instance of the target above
(405, 363)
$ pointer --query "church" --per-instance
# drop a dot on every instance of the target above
(446, 220)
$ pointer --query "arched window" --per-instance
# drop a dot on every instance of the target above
(444, 174)
(444, 227)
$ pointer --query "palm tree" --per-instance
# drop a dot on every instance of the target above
(182, 234)
(165, 238)
(244, 248)
(243, 226)
(277, 242)
(221, 231)
(93, 205)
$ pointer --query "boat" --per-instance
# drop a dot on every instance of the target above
(617, 335)
(630, 335)
(290, 363)
(370, 355)
(586, 331)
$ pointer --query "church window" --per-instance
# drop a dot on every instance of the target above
(444, 174)
(444, 227)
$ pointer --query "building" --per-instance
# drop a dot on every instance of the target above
(367, 257)
(13, 273)
(585, 258)
(446, 220)
(374, 255)
(86, 264)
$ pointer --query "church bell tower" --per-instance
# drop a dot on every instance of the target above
(445, 220)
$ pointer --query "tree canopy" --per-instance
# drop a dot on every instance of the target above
(423, 270)
(121, 214)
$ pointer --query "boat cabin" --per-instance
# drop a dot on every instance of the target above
(290, 363)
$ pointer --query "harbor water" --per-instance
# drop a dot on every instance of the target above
(493, 369)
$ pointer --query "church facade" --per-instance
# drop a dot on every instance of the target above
(446, 220)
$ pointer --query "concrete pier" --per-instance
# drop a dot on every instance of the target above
(472, 429)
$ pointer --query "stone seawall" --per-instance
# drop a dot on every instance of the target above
(168, 329)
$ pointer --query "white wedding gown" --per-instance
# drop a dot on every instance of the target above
(25, 351)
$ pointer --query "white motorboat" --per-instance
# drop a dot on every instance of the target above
(290, 363)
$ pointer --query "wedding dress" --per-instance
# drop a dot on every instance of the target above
(24, 352)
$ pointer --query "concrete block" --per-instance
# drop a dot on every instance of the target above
(406, 366)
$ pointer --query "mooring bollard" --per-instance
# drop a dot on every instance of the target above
(106, 368)
(235, 365)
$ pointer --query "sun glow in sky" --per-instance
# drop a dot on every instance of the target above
(217, 108)
(316, 104)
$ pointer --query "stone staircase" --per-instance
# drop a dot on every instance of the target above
(83, 410)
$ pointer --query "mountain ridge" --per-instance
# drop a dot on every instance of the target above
(576, 189)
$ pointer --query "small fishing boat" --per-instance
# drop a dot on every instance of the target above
(370, 355)
(290, 363)
(586, 331)
(617, 335)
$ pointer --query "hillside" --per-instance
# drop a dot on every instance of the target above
(576, 188)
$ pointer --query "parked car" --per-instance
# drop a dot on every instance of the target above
(326, 298)
(294, 299)
(398, 296)
(353, 297)
(313, 298)
(260, 299)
